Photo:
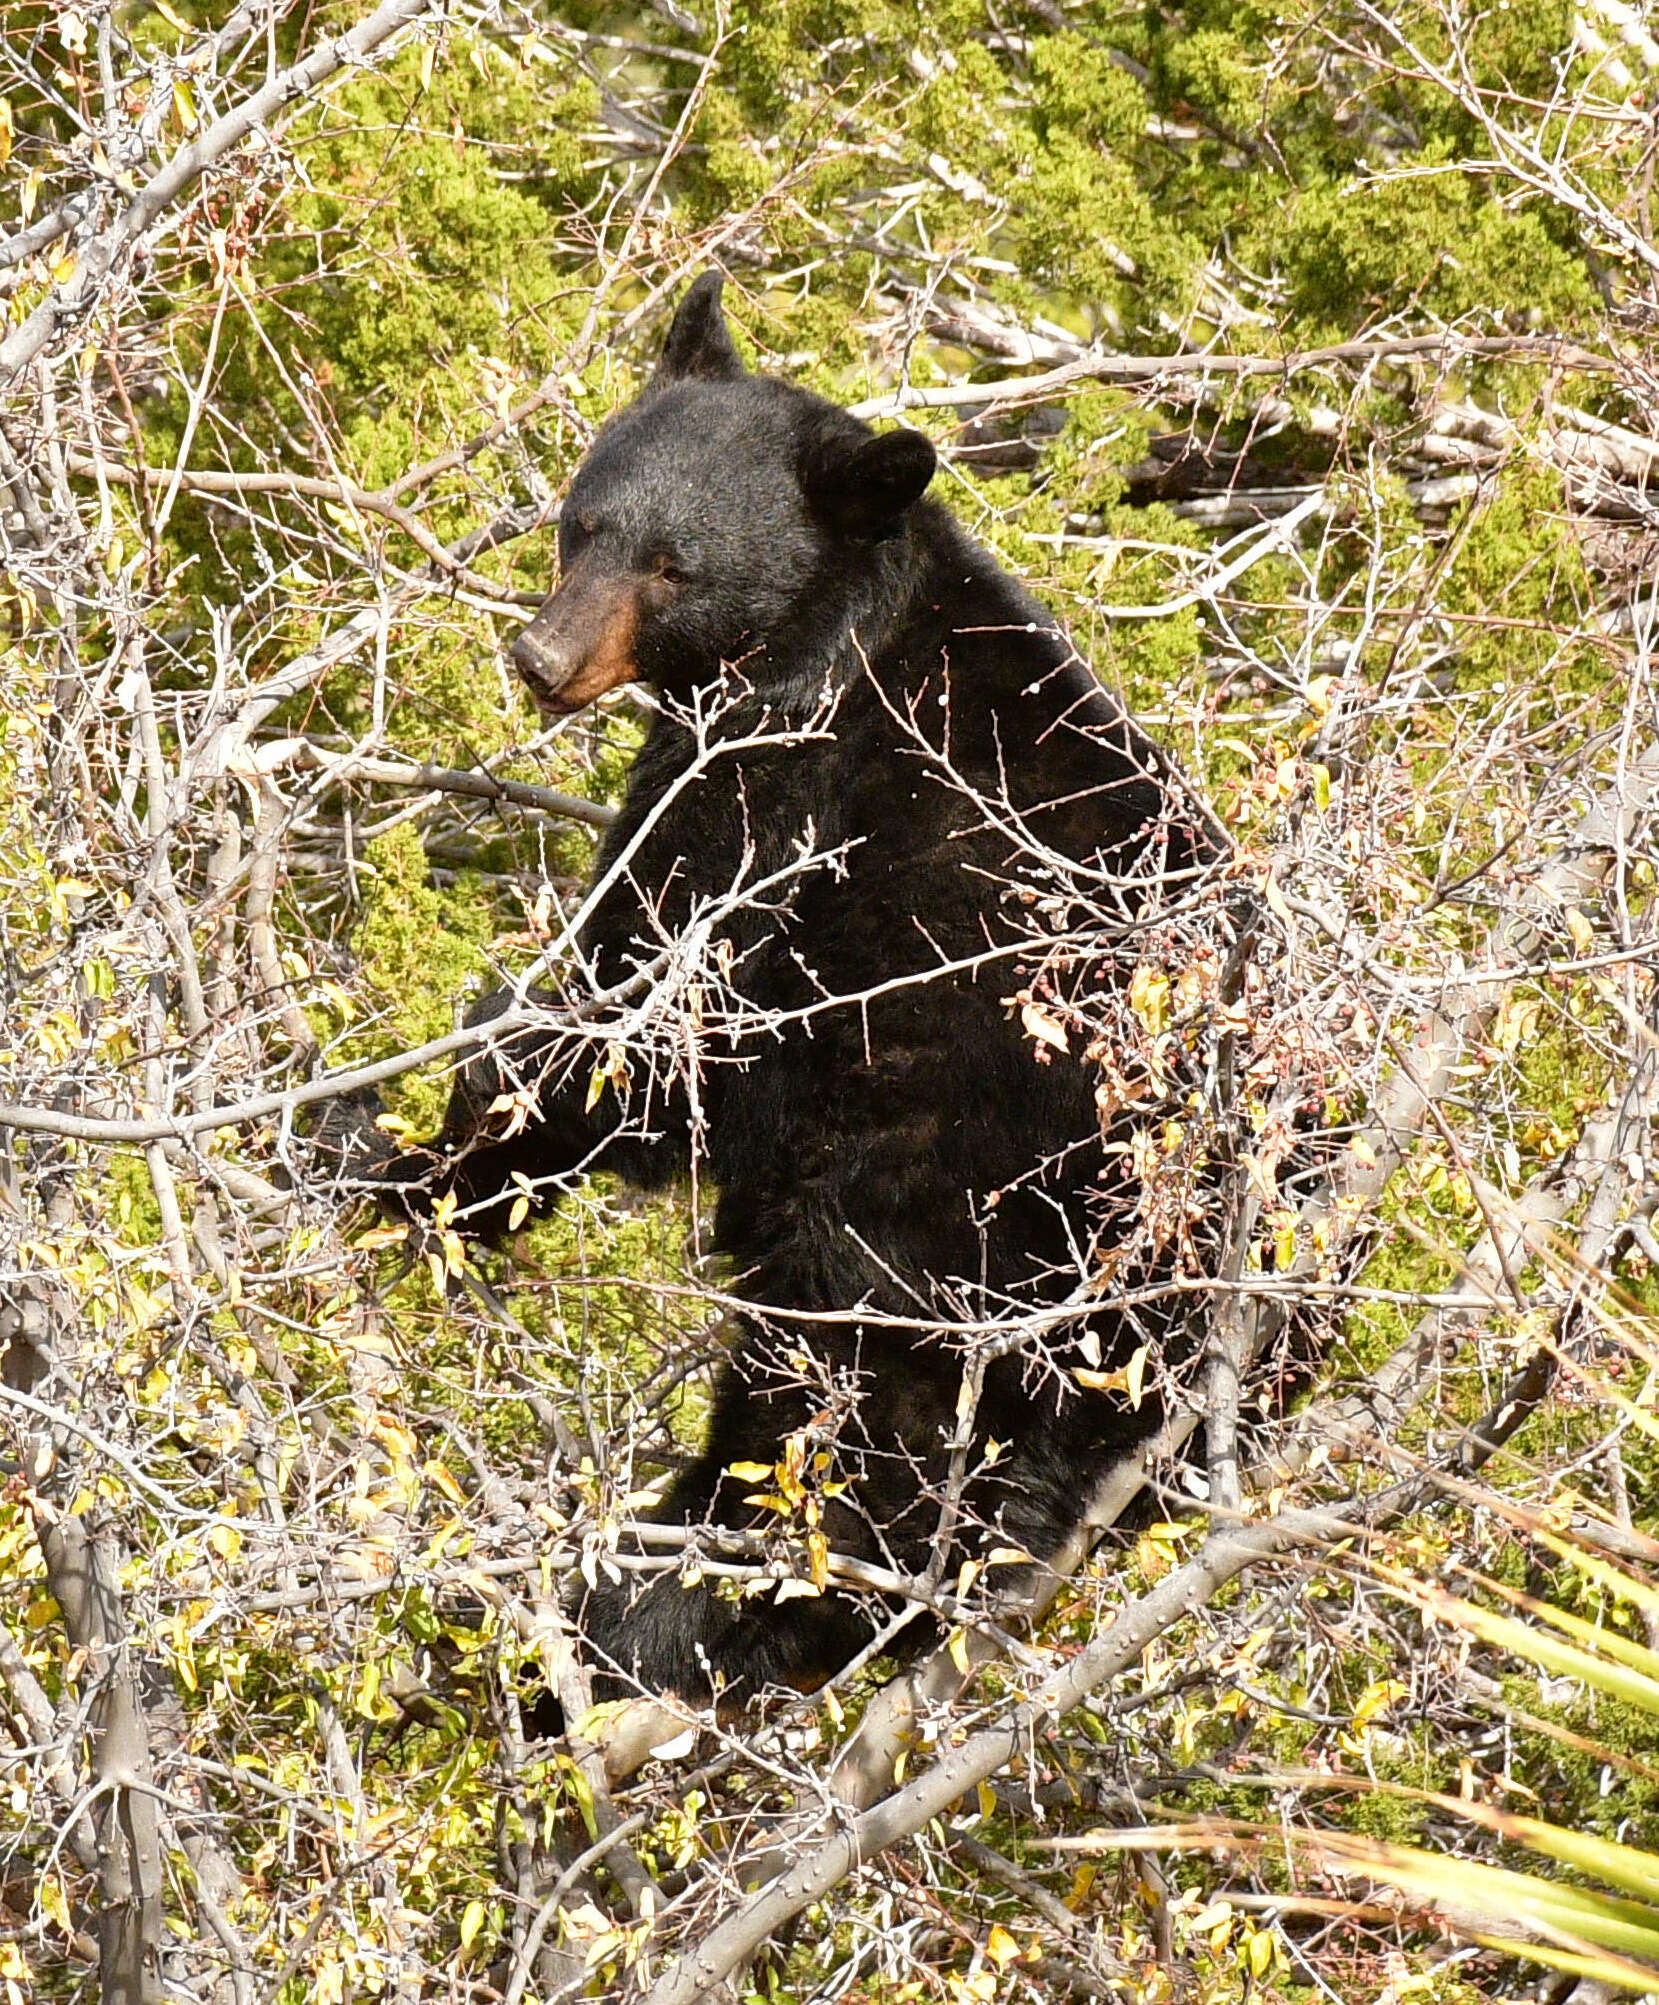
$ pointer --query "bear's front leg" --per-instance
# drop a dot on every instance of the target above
(522, 1120)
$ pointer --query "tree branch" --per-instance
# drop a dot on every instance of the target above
(1225, 1555)
(1447, 348)
(98, 259)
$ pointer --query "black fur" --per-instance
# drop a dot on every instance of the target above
(772, 547)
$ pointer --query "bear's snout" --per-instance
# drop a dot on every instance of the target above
(581, 643)
(541, 661)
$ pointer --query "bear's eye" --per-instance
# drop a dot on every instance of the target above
(671, 573)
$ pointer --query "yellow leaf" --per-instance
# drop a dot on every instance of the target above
(1001, 1947)
(1376, 1700)
(986, 1797)
(54, 1903)
(381, 1235)
(959, 1650)
(1580, 928)
(596, 1086)
(1149, 997)
(184, 106)
(1321, 786)
(749, 1472)
(1261, 1953)
(444, 1538)
(5, 131)
(226, 1541)
(593, 1726)
(605, 1945)
(472, 1920)
(1044, 1028)
(437, 1474)
(519, 1213)
(64, 270)
(1135, 1376)
(394, 1434)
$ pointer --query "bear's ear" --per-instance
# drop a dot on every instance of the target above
(698, 343)
(865, 486)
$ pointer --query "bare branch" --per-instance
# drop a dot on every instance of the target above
(101, 257)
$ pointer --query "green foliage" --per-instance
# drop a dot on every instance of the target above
(1429, 239)
(418, 951)
(410, 248)
(1518, 559)
(1078, 89)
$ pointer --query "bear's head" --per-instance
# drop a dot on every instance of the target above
(721, 519)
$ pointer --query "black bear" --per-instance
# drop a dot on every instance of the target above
(872, 757)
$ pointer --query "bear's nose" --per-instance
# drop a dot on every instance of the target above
(543, 663)
(581, 643)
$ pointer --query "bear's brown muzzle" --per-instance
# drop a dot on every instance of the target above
(581, 643)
